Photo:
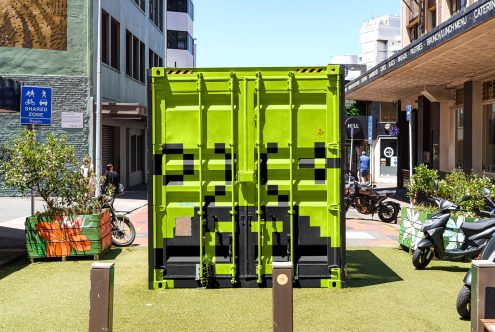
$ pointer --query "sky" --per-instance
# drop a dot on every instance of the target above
(238, 33)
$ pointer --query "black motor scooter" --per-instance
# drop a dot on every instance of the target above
(463, 303)
(477, 235)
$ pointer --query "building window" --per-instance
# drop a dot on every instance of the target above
(154, 60)
(456, 5)
(140, 3)
(488, 91)
(432, 18)
(136, 153)
(459, 137)
(115, 43)
(156, 13)
(135, 57)
(489, 138)
(388, 112)
(181, 6)
(110, 40)
(413, 32)
(105, 40)
(180, 40)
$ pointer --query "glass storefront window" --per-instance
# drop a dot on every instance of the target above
(459, 138)
(388, 157)
(489, 138)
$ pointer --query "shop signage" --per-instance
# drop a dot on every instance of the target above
(72, 120)
(362, 127)
(408, 113)
(467, 19)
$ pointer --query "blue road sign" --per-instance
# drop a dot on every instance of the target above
(36, 105)
(370, 129)
(408, 113)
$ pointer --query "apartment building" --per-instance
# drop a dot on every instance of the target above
(445, 73)
(181, 46)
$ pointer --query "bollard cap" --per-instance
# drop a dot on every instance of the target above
(282, 265)
(483, 263)
(101, 265)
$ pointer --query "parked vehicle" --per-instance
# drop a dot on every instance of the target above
(476, 236)
(368, 200)
(463, 303)
(123, 231)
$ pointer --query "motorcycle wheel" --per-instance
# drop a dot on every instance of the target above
(123, 232)
(421, 258)
(463, 303)
(347, 204)
(388, 212)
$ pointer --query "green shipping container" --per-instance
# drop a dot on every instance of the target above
(245, 170)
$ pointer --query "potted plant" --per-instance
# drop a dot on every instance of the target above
(453, 187)
(72, 222)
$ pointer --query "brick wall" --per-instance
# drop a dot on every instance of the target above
(69, 94)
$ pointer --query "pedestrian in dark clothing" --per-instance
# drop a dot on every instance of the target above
(111, 177)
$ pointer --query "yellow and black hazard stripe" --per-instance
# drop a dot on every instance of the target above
(310, 70)
(178, 71)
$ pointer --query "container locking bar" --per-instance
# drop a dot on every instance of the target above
(200, 83)
(259, 267)
(291, 169)
(233, 269)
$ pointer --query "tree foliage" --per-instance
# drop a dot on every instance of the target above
(49, 168)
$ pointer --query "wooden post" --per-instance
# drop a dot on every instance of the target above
(482, 295)
(282, 298)
(101, 297)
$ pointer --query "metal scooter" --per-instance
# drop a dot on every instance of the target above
(477, 236)
(463, 303)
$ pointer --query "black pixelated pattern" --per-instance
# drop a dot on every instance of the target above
(320, 150)
(272, 147)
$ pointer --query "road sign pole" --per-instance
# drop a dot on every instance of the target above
(352, 147)
(408, 118)
(33, 128)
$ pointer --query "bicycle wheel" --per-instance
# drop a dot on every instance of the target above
(123, 232)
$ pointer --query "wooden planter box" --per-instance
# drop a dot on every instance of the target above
(410, 232)
(81, 235)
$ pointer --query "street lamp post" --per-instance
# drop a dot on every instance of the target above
(98, 104)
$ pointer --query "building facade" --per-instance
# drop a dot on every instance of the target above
(380, 38)
(445, 75)
(181, 45)
(53, 43)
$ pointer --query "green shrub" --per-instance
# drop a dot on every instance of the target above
(423, 181)
(49, 168)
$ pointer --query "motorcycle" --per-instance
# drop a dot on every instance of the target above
(368, 200)
(123, 232)
(463, 302)
(476, 236)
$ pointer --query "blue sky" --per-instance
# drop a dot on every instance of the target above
(281, 32)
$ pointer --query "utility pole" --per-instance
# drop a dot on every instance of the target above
(98, 104)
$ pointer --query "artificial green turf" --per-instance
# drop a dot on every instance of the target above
(385, 293)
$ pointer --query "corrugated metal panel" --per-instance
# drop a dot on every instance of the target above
(246, 172)
(107, 146)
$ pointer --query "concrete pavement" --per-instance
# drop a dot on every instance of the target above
(16, 209)
(362, 230)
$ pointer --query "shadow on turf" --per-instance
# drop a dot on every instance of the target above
(365, 269)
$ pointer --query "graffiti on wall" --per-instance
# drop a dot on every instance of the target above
(34, 24)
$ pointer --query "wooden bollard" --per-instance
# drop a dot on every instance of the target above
(101, 297)
(282, 298)
(482, 295)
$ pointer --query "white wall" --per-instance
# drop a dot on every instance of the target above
(379, 38)
(180, 58)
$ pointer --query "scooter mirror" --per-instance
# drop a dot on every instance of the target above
(486, 192)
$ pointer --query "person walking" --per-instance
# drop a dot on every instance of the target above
(111, 177)
(364, 167)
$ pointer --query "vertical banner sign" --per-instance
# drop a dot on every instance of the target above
(370, 129)
(408, 113)
(36, 105)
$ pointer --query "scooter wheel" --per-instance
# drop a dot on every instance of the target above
(421, 258)
(463, 303)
